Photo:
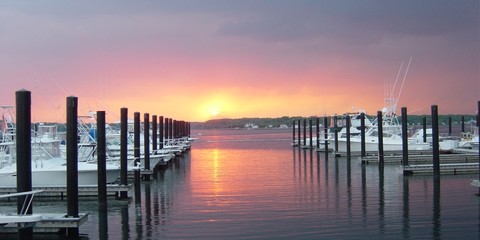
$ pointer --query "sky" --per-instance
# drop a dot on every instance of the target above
(198, 60)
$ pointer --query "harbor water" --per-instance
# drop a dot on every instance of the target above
(251, 184)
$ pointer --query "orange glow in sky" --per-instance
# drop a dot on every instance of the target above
(232, 60)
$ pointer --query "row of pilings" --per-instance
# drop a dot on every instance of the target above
(165, 129)
(307, 141)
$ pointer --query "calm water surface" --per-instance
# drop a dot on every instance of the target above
(251, 184)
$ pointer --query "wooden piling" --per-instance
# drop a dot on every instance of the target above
(154, 133)
(325, 132)
(24, 155)
(304, 132)
(299, 133)
(404, 137)
(101, 158)
(435, 143)
(463, 124)
(72, 161)
(123, 150)
(335, 130)
(362, 135)
(318, 132)
(380, 138)
(478, 125)
(347, 121)
(449, 125)
(424, 124)
(293, 132)
(23, 146)
(161, 127)
(311, 133)
(136, 154)
(146, 143)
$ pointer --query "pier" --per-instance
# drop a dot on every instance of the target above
(415, 155)
(171, 138)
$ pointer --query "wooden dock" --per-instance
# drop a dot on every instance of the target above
(447, 168)
(385, 153)
(50, 223)
(424, 159)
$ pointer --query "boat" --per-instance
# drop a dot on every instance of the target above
(48, 163)
(391, 127)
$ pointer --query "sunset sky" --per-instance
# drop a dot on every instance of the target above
(197, 60)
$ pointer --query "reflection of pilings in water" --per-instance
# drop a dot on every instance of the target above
(437, 221)
(138, 221)
(337, 187)
(311, 168)
(349, 189)
(305, 164)
(364, 195)
(381, 200)
(148, 209)
(125, 221)
(406, 209)
(294, 164)
(102, 221)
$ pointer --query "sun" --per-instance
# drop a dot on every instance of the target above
(214, 111)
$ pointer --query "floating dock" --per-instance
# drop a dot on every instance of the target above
(50, 223)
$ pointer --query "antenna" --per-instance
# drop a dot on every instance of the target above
(404, 77)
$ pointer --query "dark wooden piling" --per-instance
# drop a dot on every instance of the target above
(424, 124)
(72, 156)
(380, 138)
(299, 133)
(146, 144)
(136, 154)
(72, 161)
(435, 144)
(335, 132)
(311, 133)
(363, 151)
(404, 137)
(154, 133)
(123, 150)
(24, 155)
(347, 126)
(325, 133)
(23, 146)
(160, 132)
(463, 124)
(478, 125)
(449, 125)
(293, 133)
(171, 128)
(101, 158)
(304, 132)
(175, 129)
(317, 125)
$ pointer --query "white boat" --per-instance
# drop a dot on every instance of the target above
(469, 140)
(392, 129)
(48, 164)
(21, 218)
